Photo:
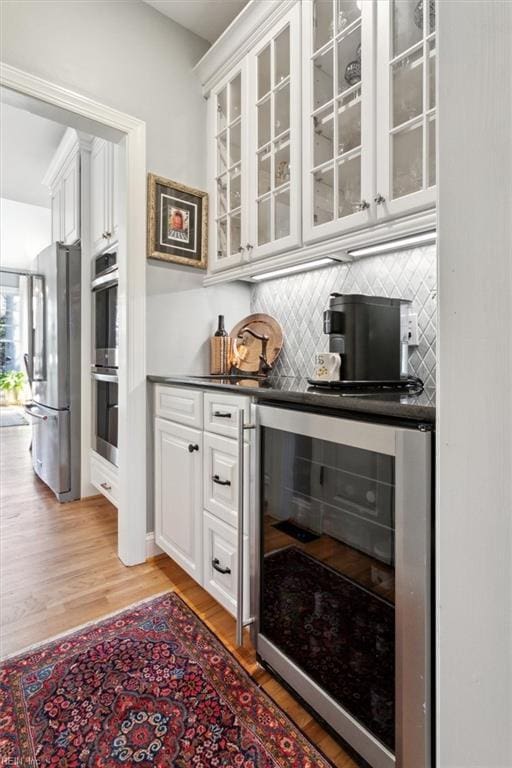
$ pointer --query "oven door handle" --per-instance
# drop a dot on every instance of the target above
(112, 378)
(107, 280)
(242, 427)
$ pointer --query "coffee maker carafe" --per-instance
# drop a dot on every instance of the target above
(365, 332)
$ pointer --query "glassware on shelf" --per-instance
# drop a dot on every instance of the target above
(353, 72)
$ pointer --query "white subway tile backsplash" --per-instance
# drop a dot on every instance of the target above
(298, 301)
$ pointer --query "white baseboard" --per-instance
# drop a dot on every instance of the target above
(152, 549)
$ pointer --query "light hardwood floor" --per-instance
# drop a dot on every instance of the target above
(59, 569)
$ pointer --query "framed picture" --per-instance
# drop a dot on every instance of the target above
(177, 222)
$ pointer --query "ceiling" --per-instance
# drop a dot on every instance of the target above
(206, 18)
(27, 145)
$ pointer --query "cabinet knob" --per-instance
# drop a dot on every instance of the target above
(249, 247)
(192, 447)
(363, 205)
(105, 235)
(106, 486)
(240, 249)
(379, 199)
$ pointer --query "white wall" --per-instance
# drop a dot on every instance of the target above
(474, 500)
(129, 56)
(24, 231)
(180, 307)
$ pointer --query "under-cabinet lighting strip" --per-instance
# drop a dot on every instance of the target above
(394, 245)
(295, 268)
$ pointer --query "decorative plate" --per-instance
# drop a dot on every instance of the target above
(248, 349)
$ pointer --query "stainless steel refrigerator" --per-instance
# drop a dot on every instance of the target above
(53, 366)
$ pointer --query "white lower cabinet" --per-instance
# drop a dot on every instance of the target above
(178, 495)
(196, 488)
(221, 563)
(104, 477)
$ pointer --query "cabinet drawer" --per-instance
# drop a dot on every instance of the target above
(182, 405)
(104, 478)
(221, 413)
(220, 567)
(220, 473)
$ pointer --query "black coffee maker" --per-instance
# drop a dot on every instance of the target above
(365, 332)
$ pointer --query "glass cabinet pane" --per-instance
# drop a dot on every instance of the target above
(323, 84)
(222, 238)
(432, 151)
(407, 24)
(222, 109)
(222, 153)
(235, 143)
(264, 72)
(282, 56)
(349, 122)
(408, 88)
(323, 206)
(431, 74)
(347, 11)
(264, 221)
(282, 161)
(264, 171)
(323, 24)
(349, 60)
(281, 110)
(235, 190)
(323, 141)
(264, 123)
(222, 195)
(235, 99)
(234, 233)
(282, 214)
(407, 151)
(349, 186)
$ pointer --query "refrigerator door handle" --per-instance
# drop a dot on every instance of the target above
(30, 412)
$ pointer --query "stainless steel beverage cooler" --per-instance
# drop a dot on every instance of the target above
(343, 576)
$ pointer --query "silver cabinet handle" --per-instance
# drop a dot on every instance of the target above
(106, 486)
(240, 532)
(379, 199)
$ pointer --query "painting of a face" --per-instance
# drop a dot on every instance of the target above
(178, 226)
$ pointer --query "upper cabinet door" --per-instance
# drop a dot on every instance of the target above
(99, 195)
(338, 130)
(70, 186)
(275, 134)
(406, 106)
(114, 192)
(228, 170)
(57, 215)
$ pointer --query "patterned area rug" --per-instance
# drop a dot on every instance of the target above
(149, 687)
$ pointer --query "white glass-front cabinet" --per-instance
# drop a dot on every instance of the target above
(338, 116)
(274, 139)
(406, 106)
(228, 170)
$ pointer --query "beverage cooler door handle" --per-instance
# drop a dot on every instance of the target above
(242, 427)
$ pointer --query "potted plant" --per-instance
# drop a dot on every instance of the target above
(12, 382)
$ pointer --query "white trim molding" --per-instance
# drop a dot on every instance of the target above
(152, 548)
(132, 295)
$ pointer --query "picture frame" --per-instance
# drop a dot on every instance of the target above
(177, 226)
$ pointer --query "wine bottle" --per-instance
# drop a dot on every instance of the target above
(221, 331)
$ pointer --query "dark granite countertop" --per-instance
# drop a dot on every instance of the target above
(391, 405)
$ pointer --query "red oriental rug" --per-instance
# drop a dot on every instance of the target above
(148, 687)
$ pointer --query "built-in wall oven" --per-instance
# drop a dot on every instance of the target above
(343, 584)
(105, 356)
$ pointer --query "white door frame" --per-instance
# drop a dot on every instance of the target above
(132, 297)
